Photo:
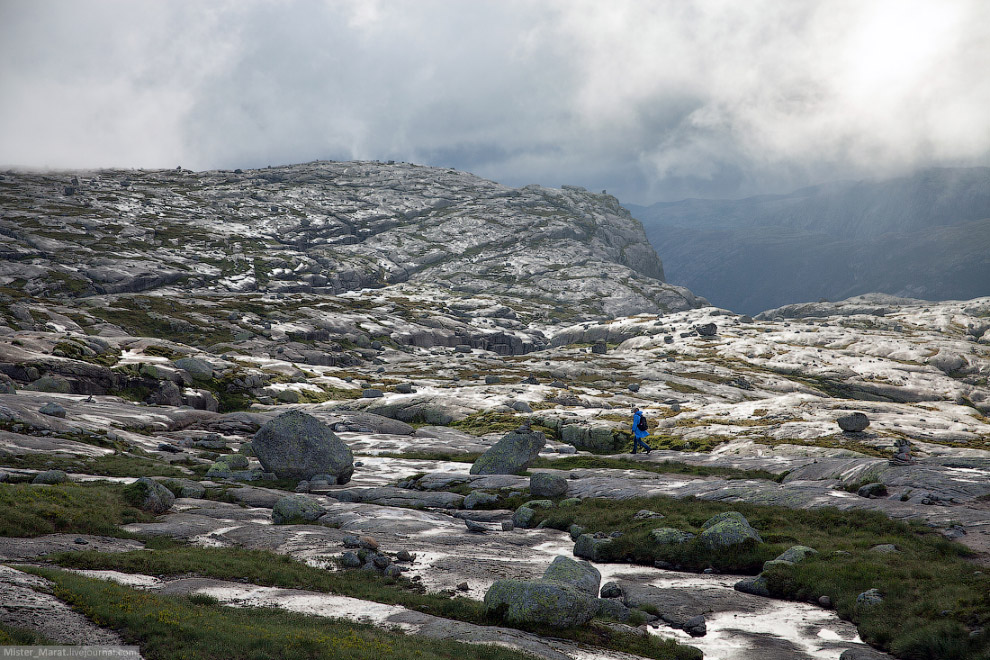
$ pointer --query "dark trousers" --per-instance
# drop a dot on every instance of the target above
(639, 443)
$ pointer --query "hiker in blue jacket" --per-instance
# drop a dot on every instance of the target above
(639, 433)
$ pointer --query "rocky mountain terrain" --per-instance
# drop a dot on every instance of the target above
(924, 236)
(149, 360)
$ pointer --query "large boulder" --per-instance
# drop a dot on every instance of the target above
(853, 423)
(512, 454)
(198, 368)
(543, 602)
(295, 445)
(727, 529)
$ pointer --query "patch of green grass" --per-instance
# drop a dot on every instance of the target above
(76, 351)
(681, 387)
(181, 627)
(667, 467)
(14, 636)
(933, 595)
(488, 421)
(99, 508)
(270, 569)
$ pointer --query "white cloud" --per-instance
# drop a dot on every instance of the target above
(649, 100)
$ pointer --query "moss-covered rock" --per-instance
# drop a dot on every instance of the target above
(523, 517)
(579, 574)
(296, 508)
(540, 602)
(728, 529)
(592, 547)
(235, 461)
(149, 495)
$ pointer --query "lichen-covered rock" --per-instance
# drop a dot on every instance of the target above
(523, 517)
(591, 547)
(6, 384)
(543, 602)
(295, 445)
(670, 536)
(235, 461)
(198, 368)
(512, 454)
(51, 383)
(478, 498)
(220, 470)
(547, 484)
(295, 508)
(796, 553)
(869, 598)
(149, 495)
(613, 609)
(727, 529)
(50, 477)
(579, 574)
(756, 585)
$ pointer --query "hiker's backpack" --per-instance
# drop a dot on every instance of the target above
(642, 422)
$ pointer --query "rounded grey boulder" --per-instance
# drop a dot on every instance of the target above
(554, 604)
(729, 528)
(295, 508)
(512, 454)
(295, 445)
(50, 477)
(853, 423)
(547, 484)
(149, 495)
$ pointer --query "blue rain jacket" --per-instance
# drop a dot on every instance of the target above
(635, 426)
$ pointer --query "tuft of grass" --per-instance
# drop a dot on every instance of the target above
(14, 636)
(180, 627)
(270, 569)
(933, 596)
(71, 508)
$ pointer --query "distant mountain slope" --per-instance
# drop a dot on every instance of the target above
(924, 236)
(327, 227)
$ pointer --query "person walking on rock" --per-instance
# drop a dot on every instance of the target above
(640, 431)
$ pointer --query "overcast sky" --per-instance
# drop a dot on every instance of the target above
(652, 100)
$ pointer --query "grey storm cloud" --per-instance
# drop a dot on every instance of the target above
(652, 100)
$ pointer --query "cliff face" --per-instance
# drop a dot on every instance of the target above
(328, 227)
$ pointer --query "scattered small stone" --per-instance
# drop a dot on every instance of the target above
(707, 330)
(463, 586)
(350, 560)
(372, 393)
(646, 514)
(825, 602)
(634, 387)
(885, 548)
(404, 388)
(873, 490)
(492, 380)
(599, 347)
(80, 541)
(405, 555)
